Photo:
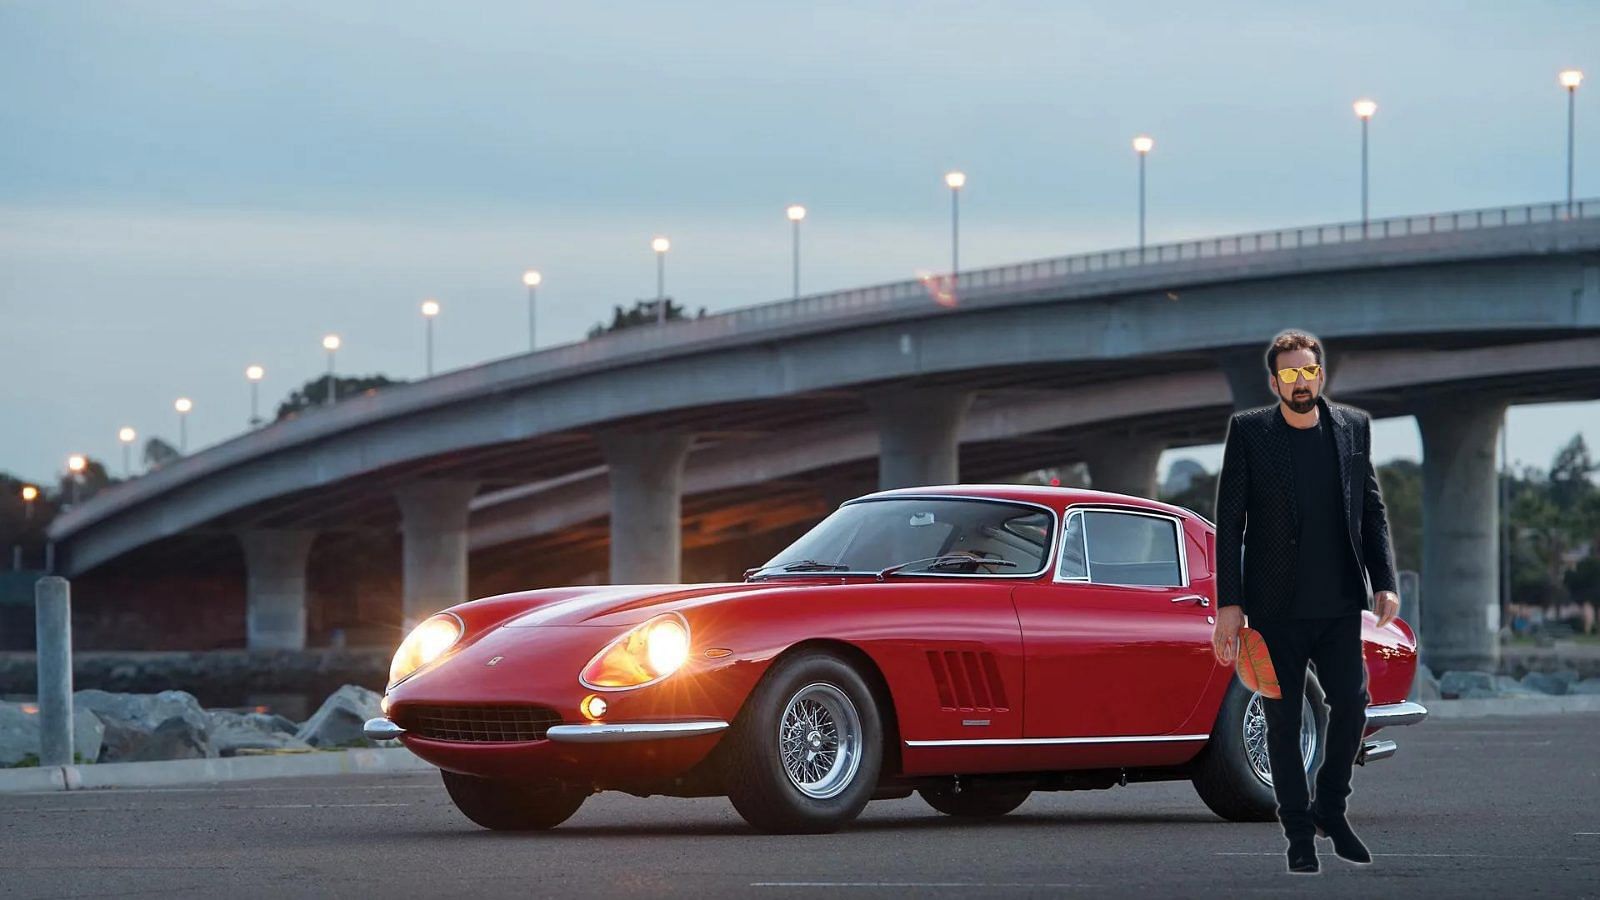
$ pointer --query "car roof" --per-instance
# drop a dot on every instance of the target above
(1054, 497)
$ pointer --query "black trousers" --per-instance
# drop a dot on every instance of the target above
(1333, 646)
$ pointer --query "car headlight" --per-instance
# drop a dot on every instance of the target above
(645, 655)
(426, 643)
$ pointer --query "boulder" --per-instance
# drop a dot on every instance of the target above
(133, 720)
(232, 732)
(337, 723)
(19, 734)
(1586, 686)
(1544, 683)
(1457, 683)
(1511, 687)
(1424, 686)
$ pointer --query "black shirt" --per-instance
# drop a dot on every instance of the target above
(1327, 579)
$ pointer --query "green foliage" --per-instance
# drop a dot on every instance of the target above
(1200, 495)
(643, 313)
(315, 392)
(1401, 484)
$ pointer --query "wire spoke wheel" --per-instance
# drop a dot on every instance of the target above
(1255, 737)
(820, 740)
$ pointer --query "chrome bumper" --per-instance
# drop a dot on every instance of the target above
(1403, 713)
(607, 733)
(381, 729)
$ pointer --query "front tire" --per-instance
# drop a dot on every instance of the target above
(1233, 775)
(805, 753)
(504, 805)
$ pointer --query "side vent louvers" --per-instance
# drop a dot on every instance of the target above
(966, 679)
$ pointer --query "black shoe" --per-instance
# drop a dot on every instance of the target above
(1303, 856)
(1345, 843)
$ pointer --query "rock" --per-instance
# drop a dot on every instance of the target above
(232, 732)
(1424, 686)
(1457, 683)
(1544, 683)
(337, 723)
(132, 720)
(1586, 686)
(19, 734)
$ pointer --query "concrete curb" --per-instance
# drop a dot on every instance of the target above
(1479, 707)
(179, 772)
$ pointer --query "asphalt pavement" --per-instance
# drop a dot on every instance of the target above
(1490, 807)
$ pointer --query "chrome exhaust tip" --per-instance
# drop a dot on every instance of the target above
(1375, 750)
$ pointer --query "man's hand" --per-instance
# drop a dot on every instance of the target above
(1387, 606)
(1225, 634)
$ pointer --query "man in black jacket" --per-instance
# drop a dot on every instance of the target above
(1298, 477)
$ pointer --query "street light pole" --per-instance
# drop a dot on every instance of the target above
(956, 181)
(796, 214)
(254, 374)
(1364, 110)
(530, 280)
(1142, 145)
(127, 436)
(430, 311)
(661, 245)
(76, 463)
(183, 405)
(1570, 79)
(331, 344)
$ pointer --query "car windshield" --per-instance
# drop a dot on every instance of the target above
(873, 535)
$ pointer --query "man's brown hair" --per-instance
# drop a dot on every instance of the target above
(1291, 340)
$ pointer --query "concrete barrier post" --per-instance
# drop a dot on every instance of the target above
(53, 610)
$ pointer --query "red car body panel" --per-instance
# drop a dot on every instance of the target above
(959, 657)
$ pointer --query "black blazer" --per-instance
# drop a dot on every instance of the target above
(1256, 491)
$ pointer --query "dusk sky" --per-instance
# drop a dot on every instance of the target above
(188, 188)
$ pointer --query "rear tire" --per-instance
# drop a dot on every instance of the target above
(805, 753)
(974, 802)
(504, 805)
(1225, 776)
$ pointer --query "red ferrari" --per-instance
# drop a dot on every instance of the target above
(970, 643)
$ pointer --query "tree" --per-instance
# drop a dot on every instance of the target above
(314, 393)
(1200, 495)
(1400, 481)
(158, 453)
(642, 313)
(93, 479)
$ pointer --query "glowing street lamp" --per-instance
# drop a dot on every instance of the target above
(531, 280)
(254, 374)
(1365, 109)
(76, 463)
(1570, 79)
(183, 405)
(29, 494)
(796, 214)
(127, 436)
(430, 311)
(1142, 145)
(331, 343)
(955, 180)
(661, 245)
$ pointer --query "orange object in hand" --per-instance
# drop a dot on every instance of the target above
(1255, 665)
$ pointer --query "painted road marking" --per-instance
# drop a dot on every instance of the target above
(1435, 856)
(230, 806)
(922, 884)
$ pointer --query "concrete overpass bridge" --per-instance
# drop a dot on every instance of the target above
(1109, 358)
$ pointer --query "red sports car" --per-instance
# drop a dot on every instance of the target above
(971, 643)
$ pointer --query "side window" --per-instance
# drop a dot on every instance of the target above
(1073, 564)
(1132, 549)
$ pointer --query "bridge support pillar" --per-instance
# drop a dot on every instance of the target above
(1460, 533)
(1124, 465)
(1247, 377)
(433, 524)
(919, 436)
(275, 588)
(646, 504)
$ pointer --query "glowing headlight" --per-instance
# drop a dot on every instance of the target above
(426, 643)
(644, 655)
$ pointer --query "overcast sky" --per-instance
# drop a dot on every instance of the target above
(187, 188)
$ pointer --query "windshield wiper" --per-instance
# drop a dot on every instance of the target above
(799, 565)
(948, 559)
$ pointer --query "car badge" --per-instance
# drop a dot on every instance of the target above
(495, 661)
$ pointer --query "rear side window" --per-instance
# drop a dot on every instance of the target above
(1128, 548)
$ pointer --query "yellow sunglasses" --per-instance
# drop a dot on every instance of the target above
(1290, 376)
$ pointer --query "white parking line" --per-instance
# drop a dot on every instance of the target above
(922, 884)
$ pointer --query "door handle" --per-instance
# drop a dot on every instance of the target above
(1190, 598)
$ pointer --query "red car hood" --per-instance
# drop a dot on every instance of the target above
(627, 604)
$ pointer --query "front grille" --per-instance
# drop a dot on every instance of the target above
(477, 724)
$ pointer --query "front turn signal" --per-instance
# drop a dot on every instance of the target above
(644, 655)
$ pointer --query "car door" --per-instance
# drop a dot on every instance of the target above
(1119, 642)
